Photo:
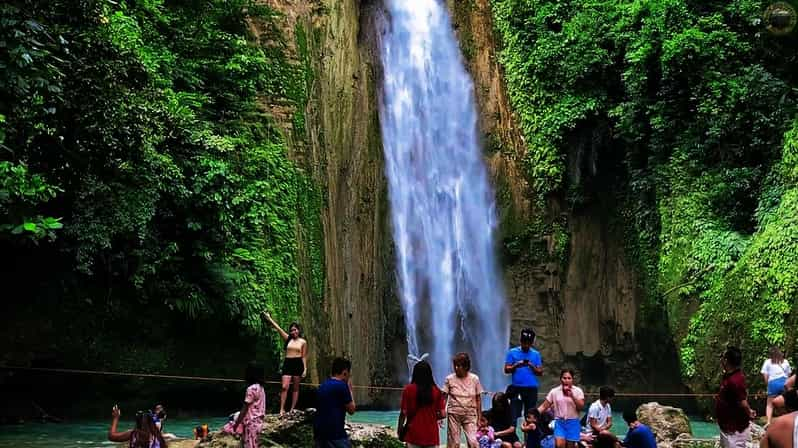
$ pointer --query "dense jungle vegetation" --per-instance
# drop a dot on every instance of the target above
(685, 113)
(149, 206)
(143, 191)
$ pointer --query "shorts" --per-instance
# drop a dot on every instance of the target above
(776, 386)
(567, 429)
(293, 367)
(735, 439)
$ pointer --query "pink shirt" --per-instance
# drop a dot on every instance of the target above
(564, 406)
(256, 397)
(462, 393)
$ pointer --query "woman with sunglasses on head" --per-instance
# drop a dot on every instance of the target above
(295, 365)
(144, 435)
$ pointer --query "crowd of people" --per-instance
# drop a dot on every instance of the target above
(552, 423)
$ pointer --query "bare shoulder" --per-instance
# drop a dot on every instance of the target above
(784, 422)
(780, 430)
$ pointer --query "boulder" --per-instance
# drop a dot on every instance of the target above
(296, 431)
(666, 422)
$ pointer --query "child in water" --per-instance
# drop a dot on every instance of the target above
(485, 433)
(254, 408)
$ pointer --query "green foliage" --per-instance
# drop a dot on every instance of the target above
(682, 107)
(175, 190)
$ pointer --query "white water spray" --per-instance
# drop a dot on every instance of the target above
(442, 207)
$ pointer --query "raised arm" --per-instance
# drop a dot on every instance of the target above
(113, 435)
(282, 332)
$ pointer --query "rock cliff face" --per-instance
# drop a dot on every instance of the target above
(356, 313)
(565, 271)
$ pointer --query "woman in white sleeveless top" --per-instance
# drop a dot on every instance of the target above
(775, 372)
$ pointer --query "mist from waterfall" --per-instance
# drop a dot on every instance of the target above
(443, 209)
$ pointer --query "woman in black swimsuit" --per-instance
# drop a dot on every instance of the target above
(295, 365)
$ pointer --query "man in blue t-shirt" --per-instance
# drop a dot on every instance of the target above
(524, 363)
(639, 435)
(334, 398)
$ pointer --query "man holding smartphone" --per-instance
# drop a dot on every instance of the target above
(525, 365)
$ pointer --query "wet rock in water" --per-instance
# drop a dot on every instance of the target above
(296, 431)
(181, 443)
(666, 422)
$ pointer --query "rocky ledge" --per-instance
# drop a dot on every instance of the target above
(672, 428)
(296, 431)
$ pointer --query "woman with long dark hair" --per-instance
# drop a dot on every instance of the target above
(144, 435)
(502, 421)
(421, 409)
(295, 365)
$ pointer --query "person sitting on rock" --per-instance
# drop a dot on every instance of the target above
(639, 435)
(599, 415)
(254, 407)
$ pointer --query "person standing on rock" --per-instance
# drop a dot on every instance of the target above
(731, 403)
(334, 400)
(525, 366)
(599, 414)
(295, 365)
(775, 372)
(567, 401)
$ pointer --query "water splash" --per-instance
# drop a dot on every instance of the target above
(442, 207)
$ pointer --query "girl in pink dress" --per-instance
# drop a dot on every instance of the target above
(254, 408)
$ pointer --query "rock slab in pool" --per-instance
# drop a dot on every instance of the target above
(672, 428)
(296, 431)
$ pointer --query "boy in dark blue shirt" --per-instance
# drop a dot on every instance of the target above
(639, 435)
(334, 398)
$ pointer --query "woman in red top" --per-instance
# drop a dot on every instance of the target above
(422, 407)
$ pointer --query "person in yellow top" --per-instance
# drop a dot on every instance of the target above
(295, 365)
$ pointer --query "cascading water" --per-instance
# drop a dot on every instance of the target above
(442, 207)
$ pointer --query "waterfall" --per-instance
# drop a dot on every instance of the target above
(443, 210)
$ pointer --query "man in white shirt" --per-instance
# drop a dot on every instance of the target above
(599, 415)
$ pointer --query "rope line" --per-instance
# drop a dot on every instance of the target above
(369, 387)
